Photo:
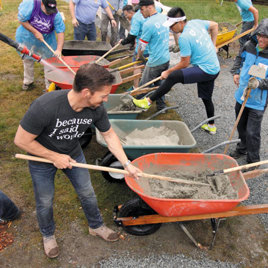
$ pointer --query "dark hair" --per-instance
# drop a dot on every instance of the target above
(128, 8)
(176, 12)
(93, 77)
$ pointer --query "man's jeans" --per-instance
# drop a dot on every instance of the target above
(105, 21)
(151, 73)
(43, 176)
(8, 210)
(85, 30)
(249, 130)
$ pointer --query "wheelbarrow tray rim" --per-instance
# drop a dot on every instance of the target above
(165, 206)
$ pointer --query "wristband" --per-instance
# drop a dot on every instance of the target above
(127, 163)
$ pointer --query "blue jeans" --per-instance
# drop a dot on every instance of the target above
(43, 176)
(85, 30)
(8, 210)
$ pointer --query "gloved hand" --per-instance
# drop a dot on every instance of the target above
(119, 12)
(142, 58)
(174, 48)
(253, 83)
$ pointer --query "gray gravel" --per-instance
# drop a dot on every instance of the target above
(192, 111)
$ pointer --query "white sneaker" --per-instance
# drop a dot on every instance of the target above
(105, 233)
(50, 246)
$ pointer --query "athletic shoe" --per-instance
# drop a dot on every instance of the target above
(50, 246)
(105, 233)
(27, 87)
(211, 129)
(143, 103)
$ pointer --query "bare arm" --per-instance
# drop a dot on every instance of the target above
(110, 15)
(72, 11)
(26, 141)
(184, 63)
(59, 44)
(30, 28)
(115, 147)
(255, 13)
(213, 29)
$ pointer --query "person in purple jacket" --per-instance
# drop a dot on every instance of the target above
(39, 21)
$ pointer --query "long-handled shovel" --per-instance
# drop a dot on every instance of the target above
(254, 71)
(115, 170)
(51, 49)
(229, 170)
(108, 52)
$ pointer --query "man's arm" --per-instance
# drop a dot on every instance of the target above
(59, 44)
(110, 15)
(30, 28)
(255, 13)
(26, 141)
(213, 29)
(72, 11)
(184, 63)
(116, 149)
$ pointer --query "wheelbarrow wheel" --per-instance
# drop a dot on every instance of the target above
(109, 160)
(86, 138)
(134, 208)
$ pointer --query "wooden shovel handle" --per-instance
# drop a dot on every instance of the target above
(107, 53)
(228, 170)
(51, 49)
(147, 84)
(108, 169)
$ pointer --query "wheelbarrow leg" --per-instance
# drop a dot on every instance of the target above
(198, 245)
(215, 223)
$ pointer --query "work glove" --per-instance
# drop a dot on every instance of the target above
(174, 48)
(119, 12)
(142, 58)
(143, 103)
(253, 83)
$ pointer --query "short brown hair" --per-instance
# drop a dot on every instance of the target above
(93, 77)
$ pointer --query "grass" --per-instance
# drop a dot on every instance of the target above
(14, 177)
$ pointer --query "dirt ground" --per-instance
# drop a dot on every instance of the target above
(239, 240)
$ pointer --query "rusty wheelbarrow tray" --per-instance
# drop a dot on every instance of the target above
(155, 211)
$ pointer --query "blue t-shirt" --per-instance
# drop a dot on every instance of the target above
(157, 37)
(243, 6)
(85, 11)
(196, 42)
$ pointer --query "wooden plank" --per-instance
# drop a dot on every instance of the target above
(237, 211)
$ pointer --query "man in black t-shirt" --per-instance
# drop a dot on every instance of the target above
(51, 128)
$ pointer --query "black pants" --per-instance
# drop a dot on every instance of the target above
(8, 210)
(205, 86)
(249, 130)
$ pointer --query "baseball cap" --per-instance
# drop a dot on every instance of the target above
(50, 6)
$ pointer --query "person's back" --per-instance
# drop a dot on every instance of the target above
(196, 43)
(157, 37)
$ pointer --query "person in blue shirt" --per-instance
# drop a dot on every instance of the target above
(155, 36)
(198, 49)
(83, 15)
(250, 17)
(39, 20)
(255, 52)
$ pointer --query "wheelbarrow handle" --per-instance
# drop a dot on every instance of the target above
(115, 170)
(108, 52)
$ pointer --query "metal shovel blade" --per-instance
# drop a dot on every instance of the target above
(257, 71)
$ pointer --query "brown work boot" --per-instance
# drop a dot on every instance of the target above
(50, 246)
(105, 233)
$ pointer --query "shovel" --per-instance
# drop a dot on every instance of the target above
(126, 66)
(254, 71)
(115, 170)
(107, 53)
(229, 170)
(51, 49)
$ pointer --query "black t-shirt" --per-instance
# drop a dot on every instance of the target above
(58, 126)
